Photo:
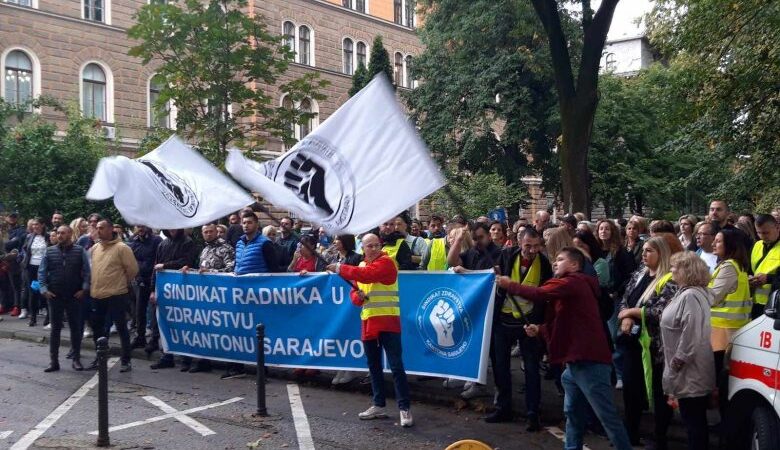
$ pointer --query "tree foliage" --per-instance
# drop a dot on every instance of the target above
(379, 62)
(730, 53)
(214, 61)
(486, 105)
(475, 195)
(42, 171)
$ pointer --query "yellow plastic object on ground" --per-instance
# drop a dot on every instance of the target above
(469, 444)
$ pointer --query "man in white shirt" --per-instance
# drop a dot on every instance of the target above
(704, 238)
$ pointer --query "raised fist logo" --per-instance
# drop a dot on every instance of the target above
(307, 179)
(442, 317)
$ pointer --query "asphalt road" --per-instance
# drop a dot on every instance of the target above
(39, 410)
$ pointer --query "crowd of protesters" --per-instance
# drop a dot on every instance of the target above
(643, 306)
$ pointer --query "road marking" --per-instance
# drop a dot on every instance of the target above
(557, 432)
(29, 438)
(5, 434)
(172, 415)
(186, 420)
(305, 441)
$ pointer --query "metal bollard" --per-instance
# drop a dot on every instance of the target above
(102, 358)
(261, 409)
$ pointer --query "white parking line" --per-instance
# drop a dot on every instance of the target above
(5, 434)
(173, 415)
(305, 441)
(557, 432)
(29, 438)
(186, 420)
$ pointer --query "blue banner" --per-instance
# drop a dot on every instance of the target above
(311, 322)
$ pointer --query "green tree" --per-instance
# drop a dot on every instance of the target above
(215, 61)
(477, 194)
(730, 53)
(487, 103)
(42, 172)
(359, 80)
(576, 82)
(379, 61)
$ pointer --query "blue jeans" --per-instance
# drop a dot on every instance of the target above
(590, 383)
(391, 343)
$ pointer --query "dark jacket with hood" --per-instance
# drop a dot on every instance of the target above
(573, 329)
(145, 251)
(404, 255)
(175, 253)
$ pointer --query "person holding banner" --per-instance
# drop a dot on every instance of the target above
(377, 294)
(394, 244)
(575, 337)
(524, 265)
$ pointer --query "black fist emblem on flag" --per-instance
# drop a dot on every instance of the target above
(307, 179)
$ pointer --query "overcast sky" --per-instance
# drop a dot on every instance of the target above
(626, 13)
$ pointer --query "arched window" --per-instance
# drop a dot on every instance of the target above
(307, 125)
(408, 82)
(94, 92)
(304, 45)
(610, 62)
(288, 104)
(398, 73)
(361, 54)
(348, 55)
(18, 78)
(289, 35)
(158, 118)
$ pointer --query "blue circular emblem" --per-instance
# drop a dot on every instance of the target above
(444, 324)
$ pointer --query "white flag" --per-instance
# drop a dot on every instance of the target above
(361, 167)
(171, 187)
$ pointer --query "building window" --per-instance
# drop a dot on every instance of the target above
(300, 131)
(348, 54)
(94, 10)
(357, 5)
(346, 3)
(94, 98)
(289, 35)
(18, 78)
(361, 55)
(408, 82)
(288, 104)
(304, 45)
(398, 72)
(403, 12)
(21, 2)
(307, 125)
(398, 12)
(610, 62)
(158, 118)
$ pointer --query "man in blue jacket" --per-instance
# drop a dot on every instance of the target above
(255, 253)
(144, 245)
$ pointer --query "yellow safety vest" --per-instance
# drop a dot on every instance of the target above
(382, 299)
(735, 309)
(438, 259)
(392, 250)
(768, 266)
(662, 282)
(532, 278)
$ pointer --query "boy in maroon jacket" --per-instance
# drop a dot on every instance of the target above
(575, 337)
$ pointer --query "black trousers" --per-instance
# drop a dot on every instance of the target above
(634, 394)
(116, 307)
(59, 305)
(33, 297)
(694, 414)
(531, 348)
(142, 292)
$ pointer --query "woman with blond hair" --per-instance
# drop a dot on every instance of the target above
(634, 241)
(556, 241)
(689, 369)
(687, 237)
(79, 226)
(647, 294)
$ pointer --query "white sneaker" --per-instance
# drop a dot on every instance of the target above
(374, 412)
(619, 385)
(348, 375)
(337, 378)
(47, 327)
(23, 315)
(467, 385)
(113, 329)
(87, 332)
(474, 391)
(449, 383)
(516, 353)
(406, 418)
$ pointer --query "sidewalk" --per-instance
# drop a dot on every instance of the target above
(423, 389)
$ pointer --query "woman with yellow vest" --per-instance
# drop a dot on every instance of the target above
(764, 260)
(377, 294)
(648, 292)
(731, 298)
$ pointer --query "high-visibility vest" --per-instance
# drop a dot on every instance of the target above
(532, 278)
(392, 250)
(768, 266)
(382, 299)
(662, 282)
(438, 259)
(734, 311)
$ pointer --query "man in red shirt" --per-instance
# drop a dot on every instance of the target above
(377, 294)
(576, 338)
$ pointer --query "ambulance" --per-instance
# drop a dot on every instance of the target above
(753, 409)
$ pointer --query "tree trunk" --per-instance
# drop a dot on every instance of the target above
(576, 126)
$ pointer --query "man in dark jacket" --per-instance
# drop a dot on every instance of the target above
(394, 244)
(144, 245)
(575, 338)
(287, 241)
(64, 277)
(16, 237)
(172, 254)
